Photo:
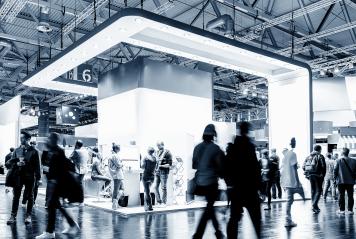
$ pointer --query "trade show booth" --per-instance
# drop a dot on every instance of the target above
(144, 101)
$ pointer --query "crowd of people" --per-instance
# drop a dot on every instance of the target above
(267, 175)
(240, 165)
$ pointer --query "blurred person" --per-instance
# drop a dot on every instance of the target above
(25, 161)
(96, 172)
(266, 174)
(290, 180)
(329, 182)
(345, 175)
(315, 169)
(207, 160)
(117, 174)
(164, 162)
(148, 165)
(277, 176)
(55, 187)
(79, 157)
(244, 173)
(9, 155)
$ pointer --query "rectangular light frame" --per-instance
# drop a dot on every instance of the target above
(146, 29)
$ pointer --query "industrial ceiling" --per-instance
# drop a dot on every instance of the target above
(319, 32)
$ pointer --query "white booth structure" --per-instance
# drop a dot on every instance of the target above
(158, 107)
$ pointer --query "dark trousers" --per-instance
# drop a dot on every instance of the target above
(349, 188)
(52, 208)
(29, 184)
(26, 194)
(211, 194)
(252, 204)
(148, 200)
(161, 180)
(269, 185)
(277, 185)
(118, 186)
(316, 185)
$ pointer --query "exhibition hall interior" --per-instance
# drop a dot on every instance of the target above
(177, 119)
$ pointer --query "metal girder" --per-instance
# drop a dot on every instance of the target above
(307, 19)
(254, 4)
(215, 8)
(20, 4)
(270, 6)
(255, 31)
(5, 8)
(351, 3)
(346, 13)
(326, 16)
(200, 12)
(271, 37)
(83, 15)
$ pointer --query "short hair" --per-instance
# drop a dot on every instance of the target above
(273, 150)
(208, 137)
(79, 143)
(54, 136)
(115, 146)
(345, 151)
(12, 149)
(26, 135)
(244, 127)
(317, 148)
(160, 143)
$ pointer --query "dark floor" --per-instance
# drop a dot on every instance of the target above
(98, 224)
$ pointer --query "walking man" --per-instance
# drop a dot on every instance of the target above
(315, 169)
(164, 162)
(26, 162)
(345, 175)
(80, 157)
(290, 180)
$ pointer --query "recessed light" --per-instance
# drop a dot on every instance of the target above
(121, 29)
(138, 20)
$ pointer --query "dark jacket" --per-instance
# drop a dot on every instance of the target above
(342, 173)
(31, 170)
(207, 160)
(56, 159)
(166, 159)
(148, 167)
(243, 171)
(7, 158)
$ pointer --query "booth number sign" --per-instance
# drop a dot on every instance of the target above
(83, 73)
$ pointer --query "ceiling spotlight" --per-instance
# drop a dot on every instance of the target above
(336, 69)
(70, 114)
(322, 72)
(254, 94)
(38, 114)
(245, 91)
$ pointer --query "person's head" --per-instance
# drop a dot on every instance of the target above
(317, 148)
(78, 144)
(329, 155)
(209, 133)
(150, 150)
(25, 138)
(336, 156)
(293, 143)
(284, 151)
(115, 147)
(264, 153)
(244, 128)
(160, 145)
(345, 152)
(273, 151)
(53, 140)
(96, 150)
(12, 149)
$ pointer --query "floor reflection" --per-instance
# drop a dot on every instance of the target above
(98, 224)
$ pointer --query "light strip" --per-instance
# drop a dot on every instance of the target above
(155, 32)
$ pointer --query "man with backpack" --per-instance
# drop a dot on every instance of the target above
(345, 175)
(315, 169)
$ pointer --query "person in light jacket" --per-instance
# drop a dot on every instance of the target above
(344, 173)
(117, 174)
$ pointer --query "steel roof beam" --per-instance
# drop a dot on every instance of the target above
(346, 13)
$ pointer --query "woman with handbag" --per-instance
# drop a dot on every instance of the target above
(207, 160)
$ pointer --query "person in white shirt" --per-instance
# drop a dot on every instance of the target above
(117, 174)
(290, 180)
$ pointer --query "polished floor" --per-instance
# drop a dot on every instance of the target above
(100, 224)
